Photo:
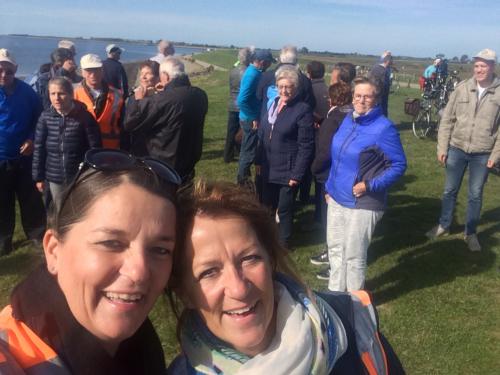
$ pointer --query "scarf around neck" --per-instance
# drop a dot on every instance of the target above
(309, 339)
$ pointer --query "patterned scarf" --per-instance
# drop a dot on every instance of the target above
(308, 341)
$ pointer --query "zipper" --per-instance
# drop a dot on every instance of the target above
(346, 142)
(62, 133)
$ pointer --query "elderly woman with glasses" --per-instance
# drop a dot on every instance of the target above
(285, 148)
(108, 256)
(367, 158)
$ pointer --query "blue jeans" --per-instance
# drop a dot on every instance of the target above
(247, 150)
(456, 164)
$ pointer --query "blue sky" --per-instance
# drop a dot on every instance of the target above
(406, 27)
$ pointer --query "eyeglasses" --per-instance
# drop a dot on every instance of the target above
(365, 97)
(108, 160)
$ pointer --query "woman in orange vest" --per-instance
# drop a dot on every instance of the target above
(108, 256)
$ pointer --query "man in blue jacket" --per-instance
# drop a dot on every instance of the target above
(250, 107)
(19, 111)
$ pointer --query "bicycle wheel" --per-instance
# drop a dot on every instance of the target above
(422, 124)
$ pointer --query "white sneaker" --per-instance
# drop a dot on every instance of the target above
(472, 242)
(436, 232)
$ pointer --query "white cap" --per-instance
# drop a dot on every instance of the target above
(6, 56)
(90, 61)
(487, 54)
(68, 44)
(111, 47)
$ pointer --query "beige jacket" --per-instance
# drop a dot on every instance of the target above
(469, 124)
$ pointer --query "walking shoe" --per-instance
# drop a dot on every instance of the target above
(437, 231)
(324, 275)
(320, 259)
(472, 242)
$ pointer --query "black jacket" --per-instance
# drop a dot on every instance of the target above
(61, 143)
(323, 159)
(304, 93)
(114, 75)
(170, 124)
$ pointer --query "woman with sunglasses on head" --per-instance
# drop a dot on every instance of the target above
(64, 132)
(246, 312)
(108, 256)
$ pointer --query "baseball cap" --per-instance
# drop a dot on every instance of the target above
(112, 48)
(6, 56)
(68, 44)
(264, 55)
(90, 61)
(487, 54)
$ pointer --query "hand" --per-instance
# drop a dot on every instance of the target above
(255, 125)
(490, 164)
(139, 93)
(442, 159)
(159, 86)
(359, 189)
(39, 186)
(293, 183)
(257, 170)
(26, 148)
(317, 125)
(327, 198)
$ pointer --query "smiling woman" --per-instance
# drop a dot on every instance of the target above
(108, 253)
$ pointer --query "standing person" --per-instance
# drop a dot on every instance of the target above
(108, 257)
(367, 158)
(250, 107)
(68, 44)
(380, 73)
(113, 72)
(165, 48)
(469, 137)
(171, 122)
(342, 71)
(429, 73)
(102, 100)
(19, 111)
(286, 148)
(233, 111)
(64, 133)
(316, 73)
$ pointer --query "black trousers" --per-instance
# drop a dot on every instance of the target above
(233, 125)
(15, 181)
(281, 198)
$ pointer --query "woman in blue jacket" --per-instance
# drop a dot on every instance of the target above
(367, 158)
(286, 147)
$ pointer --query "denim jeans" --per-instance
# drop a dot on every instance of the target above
(456, 164)
(247, 150)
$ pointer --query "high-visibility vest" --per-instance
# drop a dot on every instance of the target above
(109, 119)
(22, 351)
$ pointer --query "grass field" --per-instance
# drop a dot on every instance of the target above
(439, 304)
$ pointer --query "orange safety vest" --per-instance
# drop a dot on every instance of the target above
(109, 119)
(21, 350)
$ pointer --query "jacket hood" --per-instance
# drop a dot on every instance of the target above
(77, 108)
(370, 117)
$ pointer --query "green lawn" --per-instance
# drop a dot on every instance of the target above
(439, 304)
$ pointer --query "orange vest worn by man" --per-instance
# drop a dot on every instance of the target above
(104, 102)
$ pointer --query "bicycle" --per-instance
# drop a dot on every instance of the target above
(424, 123)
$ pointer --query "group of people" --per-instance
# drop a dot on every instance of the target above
(127, 226)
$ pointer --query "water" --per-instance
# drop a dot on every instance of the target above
(31, 52)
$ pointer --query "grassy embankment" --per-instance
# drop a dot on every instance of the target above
(439, 304)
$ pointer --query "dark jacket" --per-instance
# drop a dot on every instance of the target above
(234, 87)
(323, 160)
(378, 73)
(170, 124)
(114, 74)
(366, 149)
(304, 93)
(285, 150)
(61, 143)
(320, 92)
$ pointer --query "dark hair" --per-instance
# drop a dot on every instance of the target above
(340, 94)
(367, 81)
(60, 55)
(222, 199)
(153, 65)
(316, 69)
(92, 184)
(64, 82)
(347, 71)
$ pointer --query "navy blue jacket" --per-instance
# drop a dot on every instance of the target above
(285, 151)
(61, 143)
(365, 149)
(114, 74)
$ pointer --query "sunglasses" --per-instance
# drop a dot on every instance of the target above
(109, 160)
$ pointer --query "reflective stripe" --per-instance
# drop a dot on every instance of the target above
(367, 360)
(363, 296)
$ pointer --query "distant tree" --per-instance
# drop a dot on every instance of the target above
(232, 46)
(454, 59)
(440, 56)
(304, 51)
(464, 59)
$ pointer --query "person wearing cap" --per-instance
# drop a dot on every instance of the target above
(19, 111)
(114, 73)
(381, 74)
(165, 49)
(250, 107)
(469, 137)
(68, 44)
(102, 100)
